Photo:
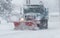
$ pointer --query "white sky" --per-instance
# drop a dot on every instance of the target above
(18, 2)
(53, 5)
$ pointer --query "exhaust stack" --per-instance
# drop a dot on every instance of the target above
(28, 2)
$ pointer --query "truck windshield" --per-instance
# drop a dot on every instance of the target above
(34, 10)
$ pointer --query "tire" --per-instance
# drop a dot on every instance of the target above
(46, 24)
(43, 24)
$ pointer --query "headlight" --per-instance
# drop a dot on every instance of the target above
(22, 19)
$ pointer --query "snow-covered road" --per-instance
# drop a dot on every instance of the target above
(49, 33)
(53, 31)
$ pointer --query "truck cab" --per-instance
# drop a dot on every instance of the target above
(40, 14)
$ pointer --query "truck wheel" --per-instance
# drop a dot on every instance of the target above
(43, 24)
(46, 24)
(39, 26)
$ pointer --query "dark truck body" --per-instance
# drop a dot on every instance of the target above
(40, 14)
